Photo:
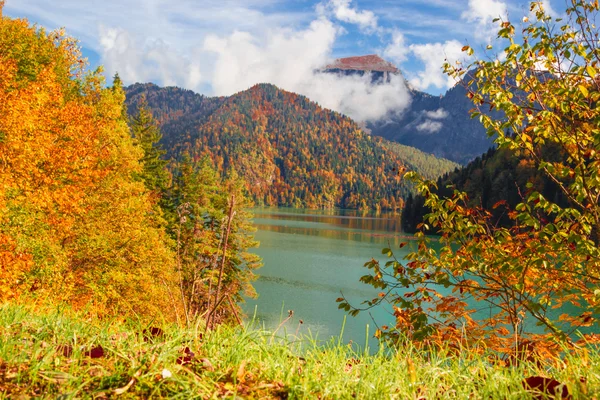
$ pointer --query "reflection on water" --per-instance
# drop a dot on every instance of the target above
(344, 234)
(320, 287)
(312, 257)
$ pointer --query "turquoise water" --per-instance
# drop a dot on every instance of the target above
(312, 257)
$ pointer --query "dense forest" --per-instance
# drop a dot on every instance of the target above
(290, 151)
(496, 181)
(91, 214)
(425, 164)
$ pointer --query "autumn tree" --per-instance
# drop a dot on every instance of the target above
(535, 282)
(213, 234)
(74, 223)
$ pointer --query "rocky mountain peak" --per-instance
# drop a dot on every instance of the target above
(371, 63)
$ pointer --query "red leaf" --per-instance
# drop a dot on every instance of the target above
(152, 333)
(542, 387)
(95, 352)
(187, 357)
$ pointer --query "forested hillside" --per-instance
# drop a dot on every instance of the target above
(496, 181)
(427, 165)
(289, 150)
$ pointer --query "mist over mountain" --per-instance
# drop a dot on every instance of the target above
(439, 125)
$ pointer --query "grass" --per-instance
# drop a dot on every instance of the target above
(54, 354)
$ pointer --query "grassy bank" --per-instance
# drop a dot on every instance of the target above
(50, 355)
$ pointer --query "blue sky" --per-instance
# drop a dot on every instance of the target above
(219, 47)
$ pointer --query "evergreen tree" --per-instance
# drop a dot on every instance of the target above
(147, 135)
(213, 234)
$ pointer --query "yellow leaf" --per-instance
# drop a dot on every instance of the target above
(591, 71)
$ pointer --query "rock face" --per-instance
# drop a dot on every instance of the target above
(379, 68)
(439, 125)
(363, 63)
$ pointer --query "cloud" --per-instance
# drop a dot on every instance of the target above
(397, 50)
(430, 126)
(440, 113)
(358, 97)
(547, 8)
(433, 56)
(236, 61)
(226, 46)
(483, 12)
(341, 10)
(242, 60)
(432, 123)
(153, 60)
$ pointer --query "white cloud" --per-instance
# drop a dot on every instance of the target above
(224, 46)
(397, 50)
(433, 55)
(153, 60)
(547, 7)
(357, 96)
(440, 113)
(342, 11)
(430, 126)
(236, 61)
(483, 12)
(242, 60)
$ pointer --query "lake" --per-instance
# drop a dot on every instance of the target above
(310, 258)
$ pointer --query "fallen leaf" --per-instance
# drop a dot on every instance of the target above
(207, 364)
(153, 333)
(241, 372)
(542, 387)
(95, 352)
(187, 357)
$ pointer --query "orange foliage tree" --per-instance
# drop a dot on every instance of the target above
(74, 221)
(535, 283)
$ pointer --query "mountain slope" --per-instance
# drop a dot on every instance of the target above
(289, 150)
(172, 106)
(498, 177)
(427, 165)
(440, 125)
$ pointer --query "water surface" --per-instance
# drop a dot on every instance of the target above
(312, 257)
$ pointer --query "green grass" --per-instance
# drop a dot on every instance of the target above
(245, 363)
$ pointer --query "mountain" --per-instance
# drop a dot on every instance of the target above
(176, 110)
(428, 166)
(439, 125)
(496, 181)
(369, 63)
(289, 150)
(379, 69)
